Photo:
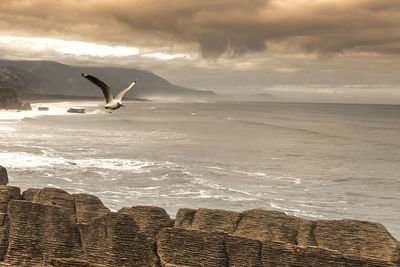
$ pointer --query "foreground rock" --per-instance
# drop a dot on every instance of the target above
(50, 227)
(3, 176)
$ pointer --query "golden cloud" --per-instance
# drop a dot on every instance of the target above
(216, 27)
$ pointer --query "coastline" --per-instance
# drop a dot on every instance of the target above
(37, 98)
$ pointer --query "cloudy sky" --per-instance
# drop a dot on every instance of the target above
(328, 50)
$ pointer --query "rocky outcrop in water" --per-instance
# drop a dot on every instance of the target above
(9, 99)
(76, 110)
(50, 227)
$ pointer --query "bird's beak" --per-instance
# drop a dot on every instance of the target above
(122, 105)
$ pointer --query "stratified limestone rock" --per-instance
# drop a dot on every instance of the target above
(114, 240)
(268, 225)
(180, 247)
(83, 208)
(149, 219)
(357, 238)
(184, 218)
(52, 197)
(256, 224)
(7, 193)
(70, 262)
(208, 219)
(39, 232)
(348, 237)
(3, 176)
(243, 251)
(88, 208)
(282, 254)
(50, 227)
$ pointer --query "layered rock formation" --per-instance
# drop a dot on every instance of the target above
(3, 176)
(50, 227)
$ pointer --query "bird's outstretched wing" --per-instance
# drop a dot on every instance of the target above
(121, 94)
(103, 86)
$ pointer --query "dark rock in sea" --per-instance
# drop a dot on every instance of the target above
(3, 176)
(50, 227)
(9, 99)
(26, 106)
(43, 108)
(76, 110)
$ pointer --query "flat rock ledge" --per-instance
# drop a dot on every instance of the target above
(50, 227)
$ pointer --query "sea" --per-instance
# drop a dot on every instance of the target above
(310, 160)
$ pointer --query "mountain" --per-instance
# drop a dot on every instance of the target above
(21, 80)
(53, 78)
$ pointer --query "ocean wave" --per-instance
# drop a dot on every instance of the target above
(114, 164)
(296, 212)
(248, 173)
(26, 160)
(7, 129)
(11, 115)
(96, 111)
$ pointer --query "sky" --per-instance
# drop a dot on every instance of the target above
(317, 50)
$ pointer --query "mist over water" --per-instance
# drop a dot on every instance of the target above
(315, 161)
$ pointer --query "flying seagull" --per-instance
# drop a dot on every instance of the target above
(111, 103)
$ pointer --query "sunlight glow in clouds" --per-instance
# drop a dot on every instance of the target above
(76, 48)
(164, 56)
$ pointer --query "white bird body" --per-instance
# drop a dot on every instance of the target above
(111, 102)
(114, 104)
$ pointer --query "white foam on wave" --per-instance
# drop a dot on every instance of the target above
(96, 111)
(115, 164)
(229, 194)
(296, 212)
(27, 160)
(192, 194)
(7, 129)
(11, 115)
(248, 173)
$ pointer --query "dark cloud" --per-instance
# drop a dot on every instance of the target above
(218, 27)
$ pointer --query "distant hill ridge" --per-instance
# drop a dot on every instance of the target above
(48, 77)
